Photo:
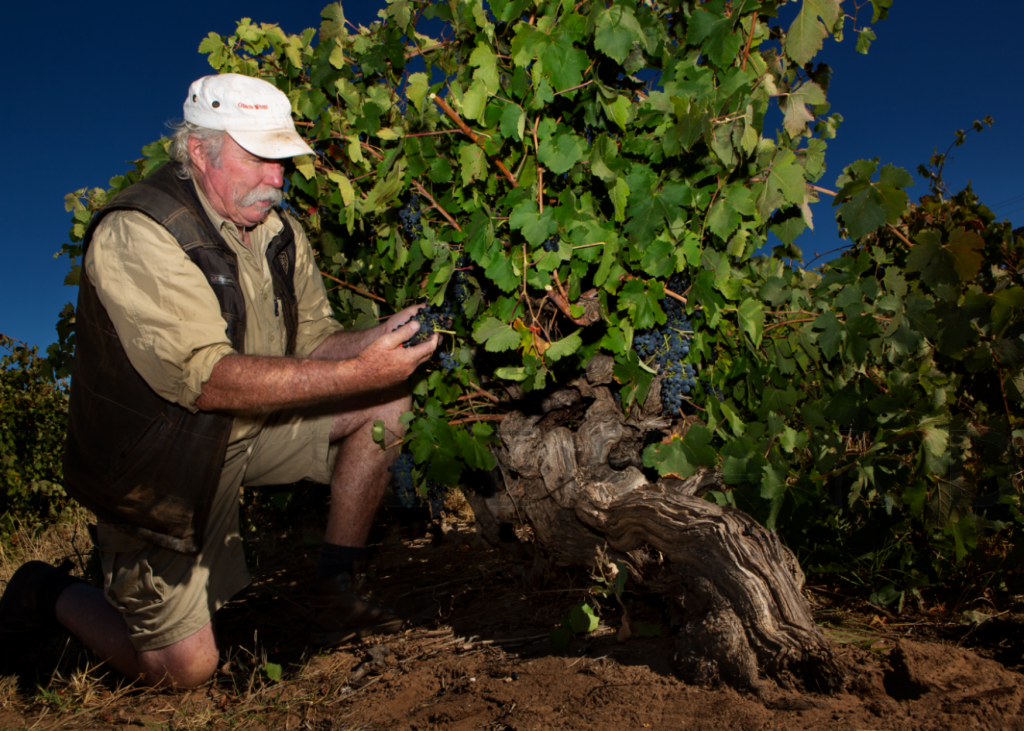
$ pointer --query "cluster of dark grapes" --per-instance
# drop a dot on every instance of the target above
(668, 346)
(448, 362)
(436, 493)
(551, 244)
(409, 216)
(401, 480)
(430, 319)
(462, 281)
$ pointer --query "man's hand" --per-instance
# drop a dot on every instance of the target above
(386, 361)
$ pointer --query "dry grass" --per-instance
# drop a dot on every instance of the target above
(56, 543)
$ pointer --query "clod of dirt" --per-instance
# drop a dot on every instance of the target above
(917, 669)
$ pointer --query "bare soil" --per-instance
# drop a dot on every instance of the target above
(479, 656)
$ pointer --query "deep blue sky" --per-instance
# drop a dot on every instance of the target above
(94, 83)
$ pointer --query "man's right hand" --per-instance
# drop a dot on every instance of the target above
(387, 363)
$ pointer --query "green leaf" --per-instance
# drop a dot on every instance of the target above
(513, 122)
(582, 619)
(958, 260)
(536, 227)
(273, 671)
(806, 33)
(512, 374)
(787, 178)
(605, 161)
(561, 638)
(416, 90)
(864, 38)
(965, 535)
(704, 294)
(475, 101)
(831, 336)
(651, 206)
(496, 335)
(642, 302)
(619, 194)
(683, 456)
(559, 154)
(473, 163)
(617, 29)
(658, 259)
(751, 314)
(486, 63)
(773, 488)
(561, 348)
(795, 105)
(713, 31)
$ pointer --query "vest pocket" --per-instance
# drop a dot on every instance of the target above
(137, 452)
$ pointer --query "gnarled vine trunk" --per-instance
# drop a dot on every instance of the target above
(581, 489)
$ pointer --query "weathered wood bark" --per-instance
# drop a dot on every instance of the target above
(738, 589)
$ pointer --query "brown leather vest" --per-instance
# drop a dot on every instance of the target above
(143, 464)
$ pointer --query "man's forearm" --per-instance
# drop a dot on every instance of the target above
(345, 343)
(248, 383)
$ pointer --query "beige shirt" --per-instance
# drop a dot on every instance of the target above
(167, 317)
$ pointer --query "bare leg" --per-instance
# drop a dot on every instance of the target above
(86, 613)
(361, 473)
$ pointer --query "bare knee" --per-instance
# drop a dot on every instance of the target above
(187, 663)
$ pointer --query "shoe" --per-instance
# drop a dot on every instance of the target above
(340, 613)
(26, 607)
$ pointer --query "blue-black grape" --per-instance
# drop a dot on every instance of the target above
(436, 493)
(430, 319)
(668, 347)
(448, 362)
(461, 288)
(401, 480)
(409, 217)
(551, 244)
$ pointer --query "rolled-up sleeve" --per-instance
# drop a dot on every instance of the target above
(316, 318)
(165, 313)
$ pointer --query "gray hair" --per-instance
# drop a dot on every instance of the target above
(210, 139)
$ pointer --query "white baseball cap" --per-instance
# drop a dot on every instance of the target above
(256, 114)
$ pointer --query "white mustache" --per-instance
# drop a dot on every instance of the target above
(264, 194)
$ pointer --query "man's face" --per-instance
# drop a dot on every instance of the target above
(244, 187)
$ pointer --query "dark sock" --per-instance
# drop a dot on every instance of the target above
(53, 588)
(335, 559)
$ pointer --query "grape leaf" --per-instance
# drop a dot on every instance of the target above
(617, 29)
(560, 153)
(682, 457)
(957, 260)
(795, 104)
(496, 335)
(473, 163)
(561, 348)
(806, 33)
(536, 227)
(704, 294)
(751, 313)
(486, 64)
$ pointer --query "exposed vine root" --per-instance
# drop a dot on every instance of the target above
(737, 588)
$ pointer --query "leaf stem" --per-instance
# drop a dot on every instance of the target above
(423, 191)
(480, 417)
(454, 116)
(353, 287)
(750, 38)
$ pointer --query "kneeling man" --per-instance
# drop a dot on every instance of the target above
(207, 357)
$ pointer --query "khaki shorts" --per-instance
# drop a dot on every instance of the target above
(166, 596)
